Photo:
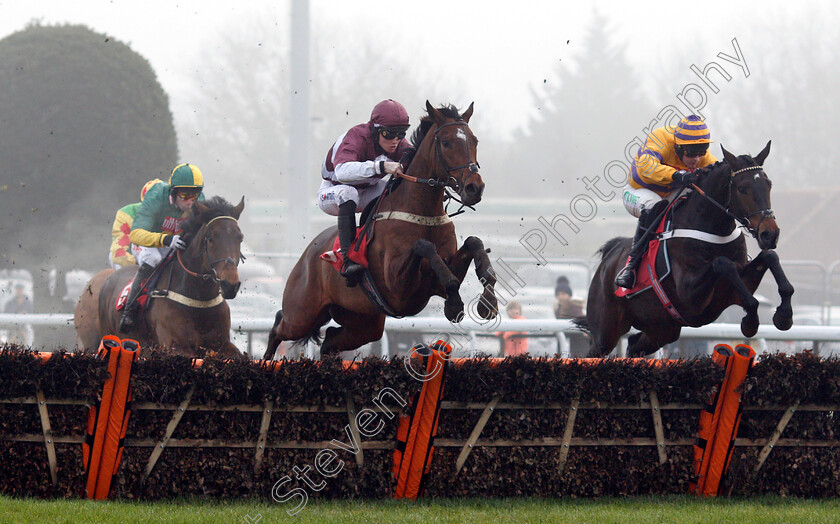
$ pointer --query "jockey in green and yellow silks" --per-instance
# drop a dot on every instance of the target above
(157, 228)
(120, 253)
(665, 162)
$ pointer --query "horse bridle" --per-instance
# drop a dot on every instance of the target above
(745, 220)
(213, 275)
(450, 181)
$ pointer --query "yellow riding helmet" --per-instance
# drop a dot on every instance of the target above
(186, 176)
(147, 186)
(692, 130)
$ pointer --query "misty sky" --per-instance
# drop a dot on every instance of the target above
(495, 51)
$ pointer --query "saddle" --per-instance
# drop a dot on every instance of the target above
(146, 291)
(358, 251)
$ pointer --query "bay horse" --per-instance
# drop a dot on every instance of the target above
(188, 312)
(413, 255)
(706, 277)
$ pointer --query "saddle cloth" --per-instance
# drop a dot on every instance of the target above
(655, 264)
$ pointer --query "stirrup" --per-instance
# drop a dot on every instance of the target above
(127, 322)
(626, 273)
(352, 271)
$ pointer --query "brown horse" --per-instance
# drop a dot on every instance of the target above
(706, 276)
(413, 255)
(188, 312)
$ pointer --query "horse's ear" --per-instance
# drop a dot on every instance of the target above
(436, 115)
(468, 113)
(199, 208)
(763, 155)
(729, 157)
(238, 209)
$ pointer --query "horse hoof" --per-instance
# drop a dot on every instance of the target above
(454, 314)
(487, 310)
(749, 327)
(782, 322)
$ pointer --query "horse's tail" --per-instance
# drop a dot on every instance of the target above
(582, 324)
(314, 336)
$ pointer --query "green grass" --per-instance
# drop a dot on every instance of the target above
(646, 510)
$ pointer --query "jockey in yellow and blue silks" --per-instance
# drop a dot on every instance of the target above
(120, 254)
(157, 228)
(664, 163)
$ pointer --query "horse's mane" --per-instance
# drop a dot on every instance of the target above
(426, 123)
(218, 207)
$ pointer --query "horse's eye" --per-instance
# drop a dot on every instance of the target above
(743, 190)
(209, 239)
(444, 143)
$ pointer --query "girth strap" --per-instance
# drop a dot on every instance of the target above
(701, 235)
(415, 219)
(187, 301)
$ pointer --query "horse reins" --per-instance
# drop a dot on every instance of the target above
(744, 221)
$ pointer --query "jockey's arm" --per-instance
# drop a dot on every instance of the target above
(120, 231)
(145, 222)
(349, 172)
(652, 171)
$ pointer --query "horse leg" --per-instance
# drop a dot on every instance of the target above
(642, 344)
(273, 337)
(726, 268)
(356, 330)
(285, 330)
(752, 275)
(453, 306)
(473, 250)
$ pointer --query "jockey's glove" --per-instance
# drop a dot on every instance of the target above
(686, 178)
(175, 241)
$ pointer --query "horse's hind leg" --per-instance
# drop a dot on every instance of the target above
(274, 336)
(453, 307)
(641, 344)
(356, 330)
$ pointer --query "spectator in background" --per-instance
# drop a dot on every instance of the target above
(564, 305)
(567, 307)
(19, 305)
(514, 345)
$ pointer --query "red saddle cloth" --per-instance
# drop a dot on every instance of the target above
(648, 272)
(123, 298)
(358, 253)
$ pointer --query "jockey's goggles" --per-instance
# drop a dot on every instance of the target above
(187, 195)
(694, 150)
(390, 134)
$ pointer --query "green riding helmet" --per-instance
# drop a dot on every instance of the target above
(186, 176)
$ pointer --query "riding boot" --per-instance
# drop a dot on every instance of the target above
(626, 278)
(128, 319)
(346, 234)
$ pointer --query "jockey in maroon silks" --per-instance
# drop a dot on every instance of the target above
(354, 172)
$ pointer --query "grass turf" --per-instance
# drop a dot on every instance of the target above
(682, 509)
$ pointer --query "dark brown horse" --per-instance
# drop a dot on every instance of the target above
(413, 255)
(189, 314)
(706, 277)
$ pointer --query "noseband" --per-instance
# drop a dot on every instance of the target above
(213, 275)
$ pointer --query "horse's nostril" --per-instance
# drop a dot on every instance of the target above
(473, 190)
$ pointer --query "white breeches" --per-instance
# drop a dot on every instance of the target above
(331, 196)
